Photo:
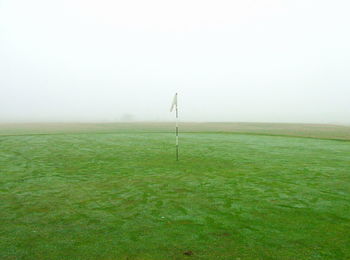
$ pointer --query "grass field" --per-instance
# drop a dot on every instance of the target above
(251, 191)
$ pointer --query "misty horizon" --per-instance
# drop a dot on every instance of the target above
(277, 61)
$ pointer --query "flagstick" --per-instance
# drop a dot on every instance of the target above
(174, 105)
(177, 132)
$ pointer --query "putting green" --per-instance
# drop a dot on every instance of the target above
(123, 196)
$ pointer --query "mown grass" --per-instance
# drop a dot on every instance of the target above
(335, 132)
(123, 196)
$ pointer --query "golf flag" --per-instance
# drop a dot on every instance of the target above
(174, 105)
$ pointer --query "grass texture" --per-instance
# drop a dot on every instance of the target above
(123, 196)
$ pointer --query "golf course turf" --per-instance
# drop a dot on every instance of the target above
(120, 194)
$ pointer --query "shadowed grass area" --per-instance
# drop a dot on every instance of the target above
(123, 196)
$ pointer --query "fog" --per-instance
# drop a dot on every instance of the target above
(106, 61)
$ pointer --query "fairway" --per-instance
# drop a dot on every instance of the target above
(91, 194)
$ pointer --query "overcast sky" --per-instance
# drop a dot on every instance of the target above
(230, 60)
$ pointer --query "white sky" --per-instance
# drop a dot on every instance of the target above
(247, 60)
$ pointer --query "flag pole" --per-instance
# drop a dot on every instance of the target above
(174, 105)
(177, 131)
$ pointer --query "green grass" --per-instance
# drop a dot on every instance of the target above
(123, 196)
(334, 132)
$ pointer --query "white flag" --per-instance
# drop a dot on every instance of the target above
(174, 104)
